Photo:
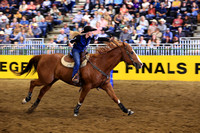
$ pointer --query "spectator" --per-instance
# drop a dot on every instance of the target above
(39, 17)
(108, 2)
(134, 36)
(24, 22)
(54, 10)
(140, 30)
(177, 22)
(4, 4)
(59, 19)
(145, 7)
(29, 33)
(13, 4)
(136, 5)
(23, 8)
(152, 28)
(71, 5)
(125, 36)
(195, 10)
(184, 9)
(2, 37)
(98, 37)
(21, 41)
(175, 39)
(18, 15)
(151, 12)
(3, 23)
(153, 42)
(86, 17)
(82, 23)
(123, 9)
(36, 31)
(102, 10)
(98, 27)
(43, 26)
(127, 18)
(187, 23)
(14, 23)
(111, 11)
(32, 22)
(97, 17)
(144, 24)
(118, 19)
(49, 20)
(158, 34)
(167, 4)
(22, 33)
(31, 8)
(16, 30)
(180, 32)
(8, 13)
(122, 25)
(46, 4)
(141, 41)
(76, 26)
(7, 40)
(161, 13)
(103, 22)
(61, 36)
(88, 6)
(8, 30)
(66, 29)
(176, 4)
(162, 26)
(92, 21)
(117, 2)
(167, 36)
(77, 18)
(3, 16)
(130, 8)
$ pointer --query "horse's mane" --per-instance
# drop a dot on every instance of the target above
(109, 46)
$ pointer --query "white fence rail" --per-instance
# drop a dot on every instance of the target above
(36, 49)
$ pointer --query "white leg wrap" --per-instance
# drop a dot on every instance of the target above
(79, 103)
(118, 101)
(24, 101)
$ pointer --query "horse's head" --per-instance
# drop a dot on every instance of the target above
(129, 56)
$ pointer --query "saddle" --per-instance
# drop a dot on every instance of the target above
(68, 61)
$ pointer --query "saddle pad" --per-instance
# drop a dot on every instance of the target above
(70, 64)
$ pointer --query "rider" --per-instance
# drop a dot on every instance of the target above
(80, 43)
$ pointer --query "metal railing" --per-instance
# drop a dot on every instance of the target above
(36, 49)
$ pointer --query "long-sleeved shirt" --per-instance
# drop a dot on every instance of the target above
(124, 36)
(80, 42)
(36, 31)
(61, 37)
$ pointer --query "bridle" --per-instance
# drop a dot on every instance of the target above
(127, 52)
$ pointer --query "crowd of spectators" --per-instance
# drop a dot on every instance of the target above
(146, 22)
(21, 19)
(150, 22)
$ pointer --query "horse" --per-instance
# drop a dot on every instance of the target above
(94, 75)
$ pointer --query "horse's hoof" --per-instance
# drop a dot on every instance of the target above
(130, 112)
(24, 101)
(31, 109)
(76, 114)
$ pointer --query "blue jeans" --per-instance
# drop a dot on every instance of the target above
(76, 56)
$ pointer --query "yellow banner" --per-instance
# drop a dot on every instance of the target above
(182, 68)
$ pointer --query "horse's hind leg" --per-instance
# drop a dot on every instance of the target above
(109, 89)
(33, 83)
(41, 94)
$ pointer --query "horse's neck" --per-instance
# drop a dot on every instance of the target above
(108, 61)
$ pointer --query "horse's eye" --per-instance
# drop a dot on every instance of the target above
(131, 52)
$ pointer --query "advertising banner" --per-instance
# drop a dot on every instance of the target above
(180, 68)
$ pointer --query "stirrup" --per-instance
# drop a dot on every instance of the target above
(75, 79)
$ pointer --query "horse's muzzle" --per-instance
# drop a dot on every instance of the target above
(138, 65)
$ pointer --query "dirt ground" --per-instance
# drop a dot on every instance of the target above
(159, 106)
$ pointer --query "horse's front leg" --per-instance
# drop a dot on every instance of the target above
(109, 89)
(84, 92)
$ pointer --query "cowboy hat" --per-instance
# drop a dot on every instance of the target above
(88, 29)
(130, 3)
(3, 17)
(162, 20)
(1, 32)
(35, 24)
(125, 28)
(154, 21)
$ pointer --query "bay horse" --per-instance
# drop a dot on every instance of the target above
(93, 75)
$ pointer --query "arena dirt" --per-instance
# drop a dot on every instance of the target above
(160, 107)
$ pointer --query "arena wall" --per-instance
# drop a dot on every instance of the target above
(180, 68)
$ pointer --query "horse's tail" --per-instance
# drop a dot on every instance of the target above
(33, 62)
